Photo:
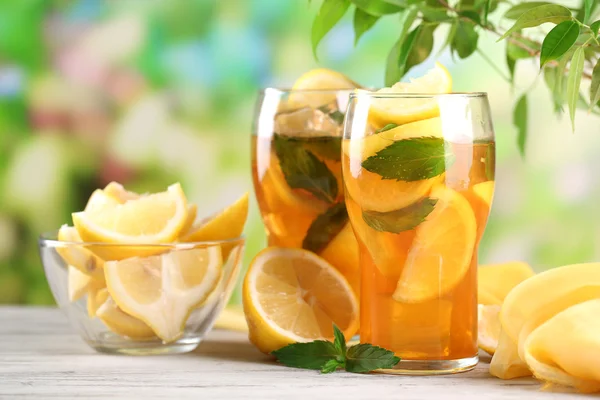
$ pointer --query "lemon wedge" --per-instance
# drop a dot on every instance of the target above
(79, 256)
(155, 218)
(162, 290)
(400, 110)
(488, 331)
(315, 80)
(292, 295)
(495, 281)
(121, 323)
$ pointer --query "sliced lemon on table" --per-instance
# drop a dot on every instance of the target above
(495, 281)
(506, 363)
(122, 323)
(162, 290)
(488, 331)
(441, 251)
(315, 80)
(232, 318)
(77, 255)
(400, 110)
(573, 359)
(155, 218)
(370, 190)
(293, 295)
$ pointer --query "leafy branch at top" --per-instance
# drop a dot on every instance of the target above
(568, 53)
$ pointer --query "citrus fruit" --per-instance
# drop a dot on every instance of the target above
(342, 253)
(370, 190)
(227, 224)
(488, 331)
(572, 360)
(232, 318)
(77, 283)
(316, 80)
(192, 212)
(495, 281)
(401, 110)
(441, 251)
(95, 298)
(99, 200)
(119, 193)
(77, 255)
(293, 295)
(155, 218)
(122, 323)
(480, 197)
(162, 290)
(506, 363)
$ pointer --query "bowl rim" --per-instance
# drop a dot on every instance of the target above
(50, 239)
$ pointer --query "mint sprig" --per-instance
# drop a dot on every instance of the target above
(412, 159)
(325, 227)
(328, 357)
(401, 220)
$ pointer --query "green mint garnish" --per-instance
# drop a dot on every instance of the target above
(386, 128)
(328, 147)
(328, 357)
(401, 220)
(325, 227)
(303, 170)
(412, 159)
(335, 115)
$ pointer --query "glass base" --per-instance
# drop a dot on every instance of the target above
(114, 344)
(432, 367)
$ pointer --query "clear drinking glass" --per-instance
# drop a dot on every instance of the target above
(297, 174)
(418, 171)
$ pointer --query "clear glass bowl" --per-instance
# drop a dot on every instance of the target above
(198, 277)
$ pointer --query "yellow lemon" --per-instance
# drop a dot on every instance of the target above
(227, 224)
(342, 253)
(293, 295)
(495, 281)
(309, 84)
(162, 290)
(441, 251)
(122, 323)
(488, 331)
(77, 255)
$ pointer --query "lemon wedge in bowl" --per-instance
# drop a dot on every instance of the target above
(404, 110)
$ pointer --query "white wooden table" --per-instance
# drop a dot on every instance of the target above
(41, 358)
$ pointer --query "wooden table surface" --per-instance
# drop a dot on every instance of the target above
(42, 358)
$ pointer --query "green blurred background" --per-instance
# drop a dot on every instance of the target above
(152, 92)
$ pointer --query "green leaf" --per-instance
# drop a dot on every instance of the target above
(393, 71)
(412, 159)
(312, 355)
(303, 170)
(465, 39)
(329, 14)
(472, 15)
(558, 41)
(328, 147)
(417, 47)
(363, 21)
(516, 11)
(365, 357)
(387, 128)
(331, 366)
(595, 86)
(595, 27)
(516, 50)
(511, 63)
(339, 340)
(586, 10)
(401, 220)
(520, 122)
(377, 7)
(554, 82)
(573, 82)
(432, 14)
(325, 227)
(486, 11)
(536, 16)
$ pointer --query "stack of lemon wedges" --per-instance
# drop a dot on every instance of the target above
(137, 290)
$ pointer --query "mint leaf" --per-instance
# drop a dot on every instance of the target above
(520, 122)
(330, 13)
(559, 40)
(412, 159)
(386, 128)
(574, 81)
(325, 227)
(539, 15)
(365, 357)
(329, 147)
(363, 21)
(331, 366)
(401, 220)
(339, 341)
(303, 170)
(312, 355)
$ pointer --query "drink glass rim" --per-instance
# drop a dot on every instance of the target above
(291, 90)
(379, 95)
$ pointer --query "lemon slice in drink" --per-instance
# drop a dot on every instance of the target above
(372, 191)
(441, 251)
(399, 110)
(313, 81)
(156, 218)
(162, 290)
(293, 295)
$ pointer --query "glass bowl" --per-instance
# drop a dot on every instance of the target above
(163, 301)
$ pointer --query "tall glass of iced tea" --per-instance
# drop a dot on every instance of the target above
(419, 178)
(297, 174)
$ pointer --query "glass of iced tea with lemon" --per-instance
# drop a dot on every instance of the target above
(297, 173)
(418, 171)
